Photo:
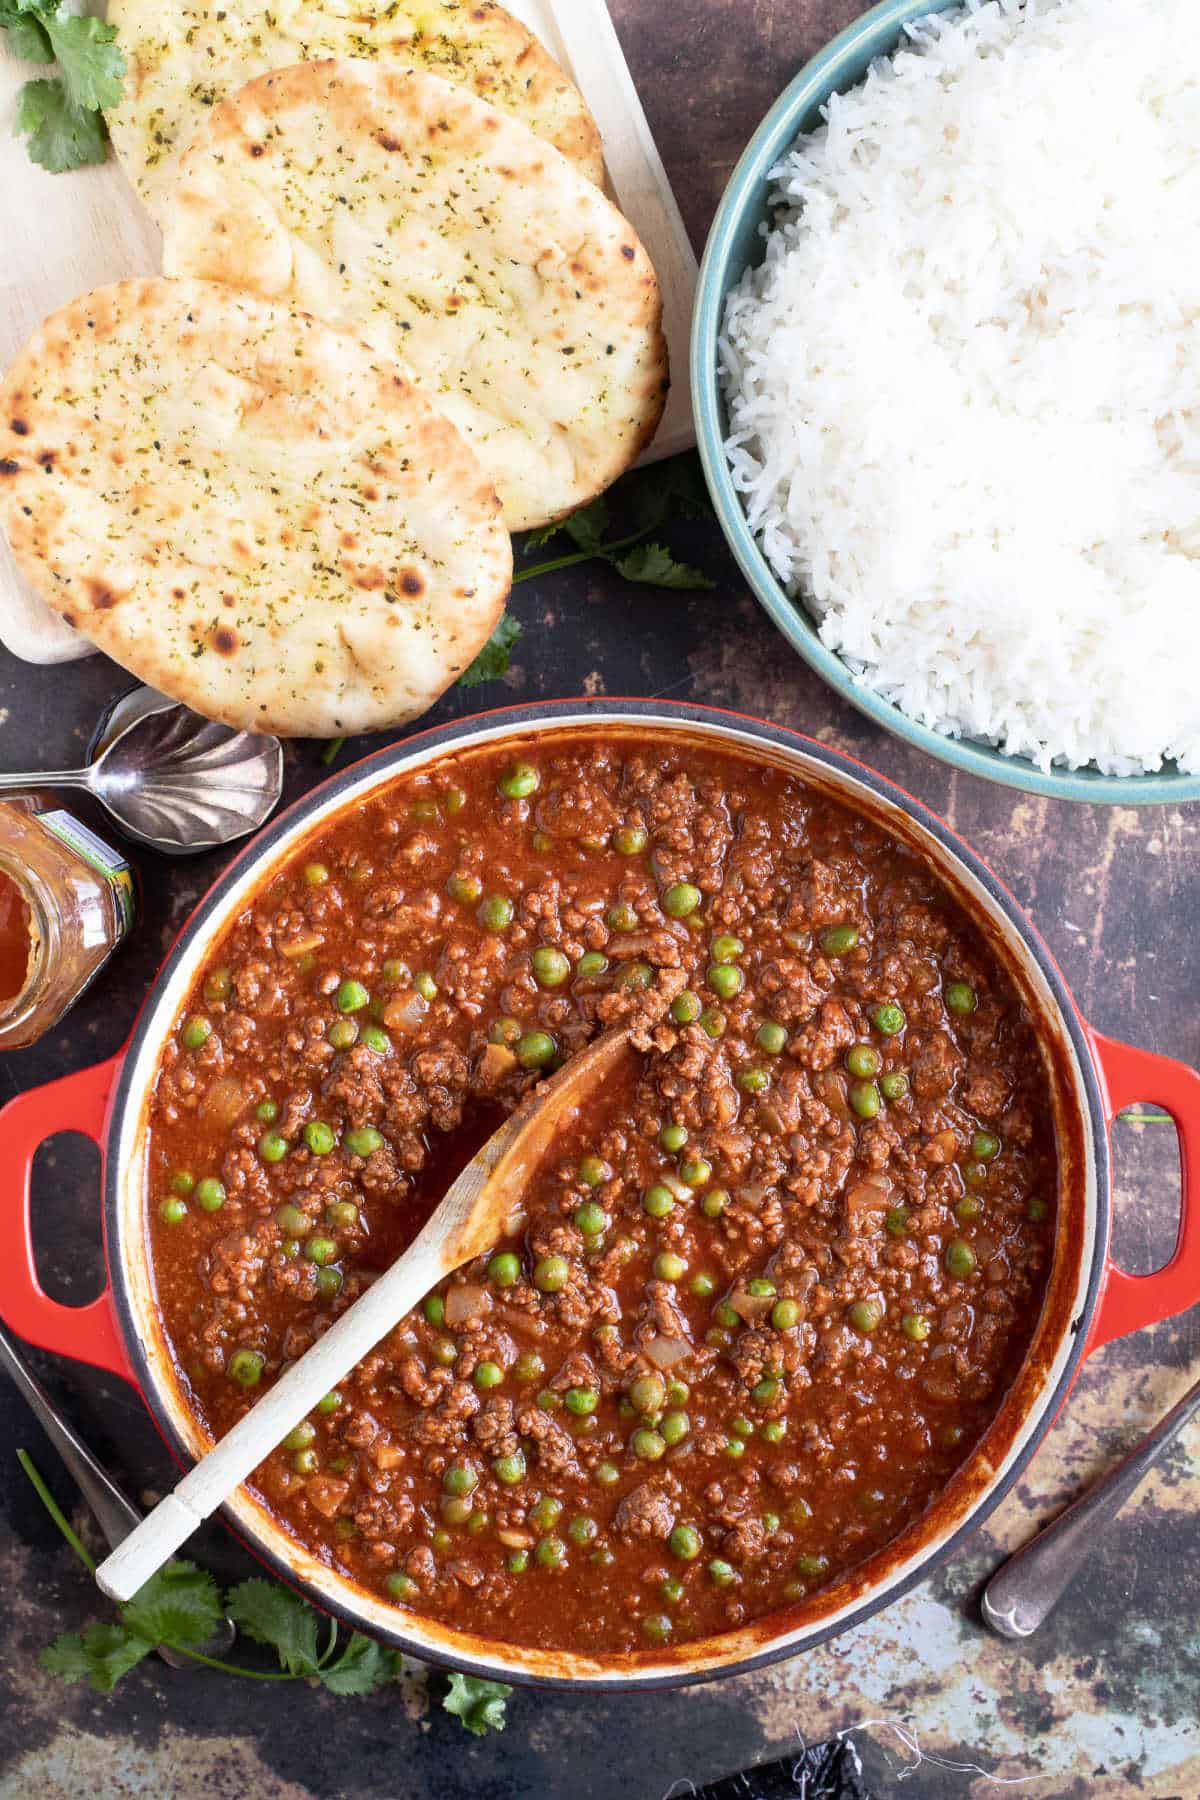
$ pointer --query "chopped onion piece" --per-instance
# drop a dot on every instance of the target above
(224, 1101)
(466, 1301)
(302, 945)
(665, 1352)
(751, 1306)
(871, 1195)
(406, 1013)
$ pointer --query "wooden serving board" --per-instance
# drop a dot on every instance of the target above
(61, 235)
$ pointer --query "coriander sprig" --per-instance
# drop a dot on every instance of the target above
(182, 1606)
(63, 115)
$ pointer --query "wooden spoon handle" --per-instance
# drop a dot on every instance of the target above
(291, 1399)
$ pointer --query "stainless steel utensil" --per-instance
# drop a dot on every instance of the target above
(1024, 1591)
(171, 779)
(115, 1515)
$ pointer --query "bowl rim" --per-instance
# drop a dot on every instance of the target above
(821, 76)
(429, 1640)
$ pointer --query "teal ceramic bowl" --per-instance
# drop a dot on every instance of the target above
(734, 244)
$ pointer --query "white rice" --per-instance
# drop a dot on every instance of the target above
(964, 387)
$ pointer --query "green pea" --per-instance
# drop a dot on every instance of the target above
(725, 980)
(753, 1081)
(551, 1274)
(445, 1352)
(681, 899)
(504, 1031)
(766, 1391)
(401, 1586)
(866, 1316)
(536, 1049)
(197, 1032)
(648, 1394)
(702, 1285)
(727, 949)
(545, 1512)
(685, 1543)
(629, 840)
(509, 1470)
(760, 1287)
(460, 1478)
(635, 977)
(550, 966)
(773, 1430)
(713, 1022)
(812, 1566)
(182, 1182)
(669, 1267)
(173, 1210)
(647, 1444)
(658, 1201)
(504, 1269)
(329, 1403)
(863, 1060)
(581, 1400)
(657, 1627)
(426, 808)
(210, 1194)
(395, 971)
(1036, 1209)
(771, 1037)
(673, 1137)
(272, 1147)
(960, 997)
(864, 1099)
(607, 1473)
(496, 912)
(960, 1258)
(674, 1427)
(714, 1202)
(351, 997)
(742, 1427)
(985, 1146)
(301, 1436)
(246, 1367)
(267, 1111)
(518, 781)
(343, 1033)
(306, 1462)
(894, 1085)
(425, 985)
(320, 1250)
(591, 964)
(594, 1172)
(734, 1447)
(969, 1207)
(329, 1283)
(319, 1137)
(550, 1553)
(839, 940)
(896, 1221)
(517, 1562)
(889, 1019)
(454, 800)
(727, 1316)
(218, 985)
(785, 1314)
(721, 1573)
(376, 1039)
(591, 1218)
(672, 1590)
(456, 1509)
(686, 1007)
(583, 1530)
(363, 1140)
(695, 1171)
(467, 889)
(915, 1326)
(621, 916)
(487, 1375)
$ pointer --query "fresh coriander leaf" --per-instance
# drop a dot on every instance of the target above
(494, 658)
(671, 489)
(67, 1657)
(180, 1605)
(587, 526)
(61, 135)
(332, 751)
(27, 37)
(87, 53)
(271, 1614)
(654, 566)
(540, 535)
(479, 1704)
(362, 1668)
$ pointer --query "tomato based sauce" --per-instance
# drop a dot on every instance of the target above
(16, 940)
(766, 1294)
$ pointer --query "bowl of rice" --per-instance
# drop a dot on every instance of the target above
(946, 375)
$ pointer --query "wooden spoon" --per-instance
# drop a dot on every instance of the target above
(473, 1215)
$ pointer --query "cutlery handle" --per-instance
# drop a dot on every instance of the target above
(1029, 1585)
(50, 778)
(115, 1515)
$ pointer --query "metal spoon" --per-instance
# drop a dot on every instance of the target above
(1030, 1584)
(171, 779)
(115, 1515)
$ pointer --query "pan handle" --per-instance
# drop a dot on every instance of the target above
(87, 1333)
(1127, 1302)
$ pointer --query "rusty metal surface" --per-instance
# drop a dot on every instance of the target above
(1104, 1703)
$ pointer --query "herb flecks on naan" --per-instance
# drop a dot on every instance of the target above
(403, 209)
(184, 58)
(249, 510)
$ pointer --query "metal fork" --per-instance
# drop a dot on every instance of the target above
(115, 1514)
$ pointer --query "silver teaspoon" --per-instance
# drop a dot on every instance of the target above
(1030, 1584)
(115, 1515)
(172, 779)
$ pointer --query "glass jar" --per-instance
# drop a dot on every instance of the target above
(66, 902)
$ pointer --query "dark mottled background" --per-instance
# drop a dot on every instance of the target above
(1104, 1703)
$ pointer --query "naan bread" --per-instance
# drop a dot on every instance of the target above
(185, 56)
(247, 509)
(406, 211)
